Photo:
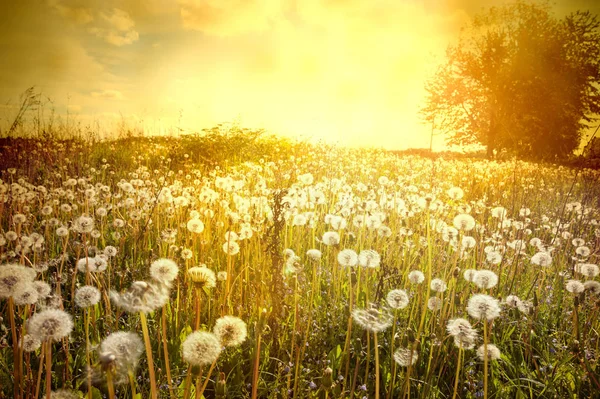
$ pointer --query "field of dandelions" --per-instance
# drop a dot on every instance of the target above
(140, 269)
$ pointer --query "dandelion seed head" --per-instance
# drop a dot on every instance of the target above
(331, 238)
(25, 293)
(434, 304)
(416, 277)
(230, 330)
(482, 306)
(141, 297)
(11, 275)
(438, 285)
(50, 324)
(202, 277)
(589, 270)
(464, 222)
(592, 287)
(397, 299)
(64, 394)
(30, 343)
(372, 319)
(542, 258)
(485, 279)
(369, 258)
(164, 271)
(314, 255)
(406, 357)
(122, 350)
(87, 296)
(575, 286)
(201, 348)
(493, 353)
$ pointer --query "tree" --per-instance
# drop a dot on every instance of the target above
(520, 80)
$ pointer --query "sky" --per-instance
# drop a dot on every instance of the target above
(350, 72)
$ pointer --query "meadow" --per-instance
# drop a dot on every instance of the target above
(248, 267)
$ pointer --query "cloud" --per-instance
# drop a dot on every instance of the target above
(75, 13)
(117, 29)
(228, 17)
(108, 94)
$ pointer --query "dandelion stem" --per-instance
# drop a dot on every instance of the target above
(459, 364)
(485, 359)
(48, 368)
(153, 391)
(210, 370)
(376, 365)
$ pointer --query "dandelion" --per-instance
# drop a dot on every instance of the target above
(542, 259)
(397, 299)
(406, 357)
(141, 297)
(464, 222)
(231, 248)
(30, 343)
(222, 276)
(485, 279)
(372, 319)
(416, 277)
(83, 224)
(96, 264)
(498, 212)
(164, 271)
(195, 226)
(25, 293)
(87, 296)
(434, 304)
(110, 251)
(469, 274)
(481, 306)
(592, 286)
(230, 330)
(369, 258)
(455, 193)
(62, 231)
(331, 238)
(583, 251)
(202, 277)
(512, 301)
(347, 258)
(201, 348)
(525, 307)
(64, 394)
(589, 270)
(463, 333)
(314, 255)
(121, 350)
(50, 325)
(438, 285)
(493, 353)
(11, 276)
(574, 286)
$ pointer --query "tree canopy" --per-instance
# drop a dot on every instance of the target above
(519, 79)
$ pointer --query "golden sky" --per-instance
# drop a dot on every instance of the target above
(347, 71)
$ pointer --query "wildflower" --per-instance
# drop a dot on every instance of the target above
(578, 242)
(499, 212)
(231, 247)
(230, 330)
(122, 350)
(483, 306)
(455, 193)
(397, 299)
(438, 285)
(469, 274)
(493, 353)
(372, 319)
(575, 286)
(195, 226)
(222, 276)
(164, 271)
(589, 270)
(542, 259)
(25, 293)
(50, 324)
(592, 287)
(314, 254)
(463, 333)
(416, 277)
(464, 222)
(96, 264)
(11, 275)
(83, 224)
(141, 297)
(347, 257)
(201, 348)
(485, 279)
(512, 301)
(110, 251)
(583, 251)
(30, 343)
(405, 357)
(434, 304)
(62, 231)
(369, 258)
(202, 277)
(331, 238)
(87, 296)
(525, 307)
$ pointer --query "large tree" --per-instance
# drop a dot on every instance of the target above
(519, 79)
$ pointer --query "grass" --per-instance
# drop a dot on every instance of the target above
(302, 339)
